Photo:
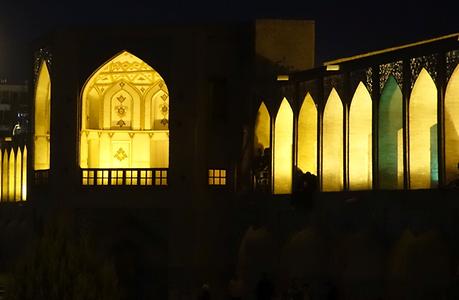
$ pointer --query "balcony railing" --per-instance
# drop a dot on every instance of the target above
(124, 177)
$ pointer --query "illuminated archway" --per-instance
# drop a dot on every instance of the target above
(332, 152)
(125, 116)
(262, 130)
(423, 133)
(390, 142)
(42, 115)
(452, 127)
(360, 140)
(283, 143)
(307, 136)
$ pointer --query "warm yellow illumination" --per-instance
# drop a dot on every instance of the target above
(42, 119)
(360, 140)
(332, 155)
(5, 175)
(452, 127)
(217, 177)
(11, 177)
(262, 130)
(390, 136)
(307, 136)
(283, 143)
(332, 67)
(18, 181)
(282, 77)
(423, 133)
(24, 174)
(125, 117)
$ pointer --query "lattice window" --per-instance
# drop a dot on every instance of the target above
(161, 177)
(131, 177)
(116, 177)
(88, 177)
(146, 177)
(217, 177)
(102, 177)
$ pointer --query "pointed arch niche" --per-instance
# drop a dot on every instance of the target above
(307, 136)
(332, 152)
(262, 130)
(283, 145)
(360, 140)
(423, 133)
(452, 127)
(390, 139)
(125, 116)
(42, 119)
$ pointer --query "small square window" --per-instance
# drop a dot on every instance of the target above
(217, 177)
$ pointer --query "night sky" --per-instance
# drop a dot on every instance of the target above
(342, 28)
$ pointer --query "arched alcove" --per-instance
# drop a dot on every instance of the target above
(262, 130)
(423, 133)
(42, 117)
(360, 140)
(283, 143)
(452, 127)
(125, 116)
(307, 136)
(332, 149)
(390, 136)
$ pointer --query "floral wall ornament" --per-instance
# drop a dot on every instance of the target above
(120, 154)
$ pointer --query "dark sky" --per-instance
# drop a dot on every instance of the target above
(342, 28)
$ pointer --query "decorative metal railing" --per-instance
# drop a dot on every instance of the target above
(124, 177)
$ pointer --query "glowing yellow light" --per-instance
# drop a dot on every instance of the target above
(283, 143)
(360, 140)
(452, 127)
(125, 117)
(332, 173)
(11, 177)
(391, 136)
(24, 174)
(42, 119)
(423, 133)
(18, 180)
(307, 136)
(262, 129)
(282, 77)
(1, 176)
(5, 174)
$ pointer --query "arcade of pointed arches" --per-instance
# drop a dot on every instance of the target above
(353, 155)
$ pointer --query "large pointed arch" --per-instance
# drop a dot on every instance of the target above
(423, 133)
(390, 136)
(307, 136)
(262, 130)
(332, 150)
(42, 119)
(360, 140)
(283, 145)
(125, 116)
(452, 127)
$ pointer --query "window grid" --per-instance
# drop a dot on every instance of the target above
(217, 177)
(120, 177)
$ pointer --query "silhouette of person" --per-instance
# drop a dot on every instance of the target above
(265, 288)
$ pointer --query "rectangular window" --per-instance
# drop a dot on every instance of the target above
(131, 177)
(217, 177)
(88, 177)
(146, 177)
(161, 177)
